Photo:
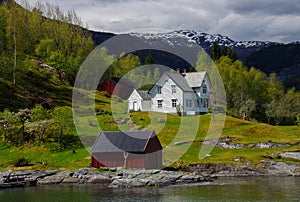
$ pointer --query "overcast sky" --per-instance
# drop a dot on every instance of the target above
(272, 20)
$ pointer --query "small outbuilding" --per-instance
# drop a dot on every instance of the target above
(139, 100)
(131, 149)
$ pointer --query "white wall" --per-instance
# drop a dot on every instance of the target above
(135, 97)
(205, 97)
(190, 110)
(166, 95)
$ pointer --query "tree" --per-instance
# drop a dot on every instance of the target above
(13, 126)
(45, 48)
(3, 24)
(247, 108)
(39, 113)
(215, 51)
(149, 59)
(40, 123)
(283, 110)
(124, 64)
(156, 74)
(63, 120)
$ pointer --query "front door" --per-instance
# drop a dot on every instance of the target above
(135, 106)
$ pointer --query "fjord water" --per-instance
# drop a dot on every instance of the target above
(223, 189)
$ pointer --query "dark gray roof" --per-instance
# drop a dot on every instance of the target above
(144, 94)
(117, 141)
(180, 81)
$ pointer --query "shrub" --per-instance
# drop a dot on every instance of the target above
(20, 162)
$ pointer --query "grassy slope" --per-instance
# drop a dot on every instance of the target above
(240, 131)
(34, 85)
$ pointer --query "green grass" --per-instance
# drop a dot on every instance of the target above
(34, 85)
(170, 129)
(42, 157)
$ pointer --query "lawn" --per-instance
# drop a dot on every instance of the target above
(180, 137)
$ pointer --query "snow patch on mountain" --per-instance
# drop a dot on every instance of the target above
(191, 38)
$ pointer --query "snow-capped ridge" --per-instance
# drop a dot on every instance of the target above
(205, 40)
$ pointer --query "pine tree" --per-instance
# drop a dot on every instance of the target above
(215, 51)
(149, 59)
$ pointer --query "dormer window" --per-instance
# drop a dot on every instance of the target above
(159, 89)
(204, 88)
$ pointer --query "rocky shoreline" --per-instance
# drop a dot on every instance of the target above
(113, 178)
(266, 168)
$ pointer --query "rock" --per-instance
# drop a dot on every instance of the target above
(121, 183)
(71, 180)
(82, 171)
(226, 143)
(50, 180)
(292, 155)
(41, 174)
(281, 168)
(217, 170)
(97, 179)
(264, 145)
(101, 112)
(113, 169)
(53, 179)
(124, 178)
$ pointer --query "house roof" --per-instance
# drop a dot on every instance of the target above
(195, 79)
(144, 94)
(179, 80)
(117, 141)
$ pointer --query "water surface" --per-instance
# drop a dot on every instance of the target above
(223, 189)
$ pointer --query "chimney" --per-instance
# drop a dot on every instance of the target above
(178, 70)
(184, 71)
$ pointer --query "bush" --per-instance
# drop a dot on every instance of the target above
(20, 162)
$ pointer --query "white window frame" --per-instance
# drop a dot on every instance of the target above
(173, 88)
(189, 103)
(174, 103)
(159, 103)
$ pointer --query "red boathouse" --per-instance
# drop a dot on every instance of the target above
(121, 87)
(132, 149)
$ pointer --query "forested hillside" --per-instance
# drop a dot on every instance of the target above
(283, 59)
(29, 39)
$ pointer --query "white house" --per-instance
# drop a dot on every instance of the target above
(139, 100)
(188, 93)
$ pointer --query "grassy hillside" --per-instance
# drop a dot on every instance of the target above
(167, 126)
(35, 84)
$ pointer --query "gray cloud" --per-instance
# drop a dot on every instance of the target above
(274, 20)
(273, 7)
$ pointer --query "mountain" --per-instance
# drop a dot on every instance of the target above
(283, 59)
(188, 38)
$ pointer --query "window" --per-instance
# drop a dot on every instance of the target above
(188, 103)
(206, 103)
(174, 103)
(204, 88)
(159, 103)
(173, 89)
(159, 89)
